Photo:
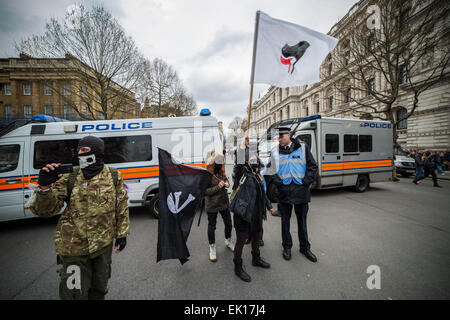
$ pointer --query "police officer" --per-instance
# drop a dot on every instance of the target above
(295, 171)
(96, 214)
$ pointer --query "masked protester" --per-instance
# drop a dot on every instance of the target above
(96, 214)
(216, 200)
(249, 167)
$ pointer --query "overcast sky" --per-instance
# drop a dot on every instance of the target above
(208, 42)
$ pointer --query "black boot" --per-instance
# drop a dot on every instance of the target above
(287, 254)
(308, 254)
(239, 271)
(257, 261)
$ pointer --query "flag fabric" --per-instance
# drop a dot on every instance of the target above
(287, 54)
(181, 190)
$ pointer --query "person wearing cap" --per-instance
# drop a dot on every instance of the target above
(294, 171)
(95, 215)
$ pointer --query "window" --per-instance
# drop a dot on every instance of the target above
(47, 89)
(350, 143)
(100, 116)
(348, 95)
(27, 89)
(117, 150)
(27, 112)
(330, 69)
(365, 143)
(403, 74)
(401, 117)
(9, 157)
(331, 143)
(317, 107)
(371, 85)
(347, 58)
(8, 112)
(48, 109)
(67, 112)
(84, 92)
(7, 89)
(371, 43)
(306, 138)
(84, 110)
(67, 89)
(330, 100)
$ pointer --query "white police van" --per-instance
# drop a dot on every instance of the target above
(348, 152)
(130, 146)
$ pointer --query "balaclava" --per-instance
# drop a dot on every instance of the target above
(91, 163)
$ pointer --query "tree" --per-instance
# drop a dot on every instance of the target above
(162, 89)
(402, 47)
(161, 81)
(102, 63)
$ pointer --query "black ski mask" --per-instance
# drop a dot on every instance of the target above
(91, 163)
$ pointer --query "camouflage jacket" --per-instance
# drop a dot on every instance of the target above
(96, 213)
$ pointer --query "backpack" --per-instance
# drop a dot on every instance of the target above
(73, 176)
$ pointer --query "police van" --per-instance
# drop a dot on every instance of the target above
(348, 152)
(130, 146)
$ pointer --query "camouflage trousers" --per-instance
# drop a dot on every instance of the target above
(92, 275)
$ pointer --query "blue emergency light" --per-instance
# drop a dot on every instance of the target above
(46, 118)
(205, 112)
(315, 117)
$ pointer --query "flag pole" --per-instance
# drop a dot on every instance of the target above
(252, 75)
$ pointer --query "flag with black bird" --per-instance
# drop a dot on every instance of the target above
(181, 191)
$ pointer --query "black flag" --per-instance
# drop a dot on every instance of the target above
(181, 190)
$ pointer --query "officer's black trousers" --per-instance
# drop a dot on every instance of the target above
(301, 210)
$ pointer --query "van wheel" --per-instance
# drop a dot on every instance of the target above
(362, 183)
(272, 193)
(153, 206)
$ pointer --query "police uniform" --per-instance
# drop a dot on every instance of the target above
(96, 214)
(296, 170)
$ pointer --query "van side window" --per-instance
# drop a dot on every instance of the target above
(332, 143)
(306, 138)
(350, 143)
(9, 157)
(55, 151)
(117, 150)
(128, 149)
(365, 143)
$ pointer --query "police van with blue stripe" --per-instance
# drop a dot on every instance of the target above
(348, 152)
(130, 146)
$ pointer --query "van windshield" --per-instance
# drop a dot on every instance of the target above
(9, 157)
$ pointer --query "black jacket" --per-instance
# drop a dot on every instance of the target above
(294, 193)
(418, 159)
(251, 193)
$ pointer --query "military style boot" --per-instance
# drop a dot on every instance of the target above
(212, 252)
(229, 244)
(257, 261)
(239, 271)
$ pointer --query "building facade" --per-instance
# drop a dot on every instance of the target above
(31, 86)
(428, 127)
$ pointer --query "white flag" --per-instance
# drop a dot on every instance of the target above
(287, 54)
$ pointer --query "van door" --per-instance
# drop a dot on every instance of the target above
(11, 180)
(331, 154)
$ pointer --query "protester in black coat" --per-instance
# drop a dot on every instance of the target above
(260, 204)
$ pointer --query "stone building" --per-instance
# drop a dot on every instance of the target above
(428, 127)
(31, 86)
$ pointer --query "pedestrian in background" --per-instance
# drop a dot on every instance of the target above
(216, 201)
(439, 160)
(430, 167)
(419, 159)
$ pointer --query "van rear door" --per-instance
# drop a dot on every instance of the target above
(331, 156)
(11, 180)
